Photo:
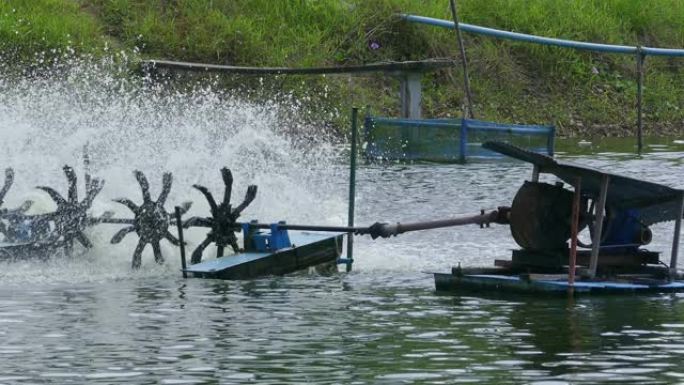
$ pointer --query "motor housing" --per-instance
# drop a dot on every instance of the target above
(541, 214)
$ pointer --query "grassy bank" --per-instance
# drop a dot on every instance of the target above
(583, 93)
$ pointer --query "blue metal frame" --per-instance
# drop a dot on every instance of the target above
(374, 148)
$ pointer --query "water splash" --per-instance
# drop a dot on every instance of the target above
(128, 122)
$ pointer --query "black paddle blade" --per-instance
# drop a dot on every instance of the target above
(119, 236)
(167, 180)
(73, 184)
(9, 180)
(228, 182)
(223, 220)
(209, 197)
(144, 185)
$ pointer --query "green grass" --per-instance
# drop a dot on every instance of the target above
(32, 27)
(512, 81)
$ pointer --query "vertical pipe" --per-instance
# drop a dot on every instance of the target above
(675, 240)
(466, 79)
(352, 189)
(463, 140)
(179, 225)
(370, 150)
(573, 231)
(640, 95)
(598, 226)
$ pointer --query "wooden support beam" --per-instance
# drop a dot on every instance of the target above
(598, 225)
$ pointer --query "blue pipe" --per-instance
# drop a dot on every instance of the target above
(622, 49)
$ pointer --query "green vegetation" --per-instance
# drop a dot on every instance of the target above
(581, 92)
(30, 28)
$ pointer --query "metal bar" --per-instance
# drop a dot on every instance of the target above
(455, 124)
(598, 226)
(179, 226)
(640, 97)
(352, 188)
(466, 79)
(392, 229)
(675, 240)
(417, 66)
(621, 49)
(400, 228)
(573, 232)
(117, 221)
(511, 129)
(334, 229)
(535, 173)
(463, 141)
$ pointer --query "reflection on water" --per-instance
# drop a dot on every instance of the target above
(342, 329)
(383, 323)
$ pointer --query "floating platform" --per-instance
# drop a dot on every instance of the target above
(308, 249)
(551, 284)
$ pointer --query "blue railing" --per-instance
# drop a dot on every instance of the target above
(622, 49)
(447, 140)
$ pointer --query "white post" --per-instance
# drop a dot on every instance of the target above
(410, 95)
(598, 225)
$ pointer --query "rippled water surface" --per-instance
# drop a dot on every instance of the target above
(89, 319)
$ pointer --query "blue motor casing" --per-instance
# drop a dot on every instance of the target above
(265, 241)
(624, 229)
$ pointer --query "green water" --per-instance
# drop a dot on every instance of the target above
(92, 321)
(626, 146)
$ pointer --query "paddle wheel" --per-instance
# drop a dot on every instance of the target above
(150, 219)
(60, 228)
(223, 220)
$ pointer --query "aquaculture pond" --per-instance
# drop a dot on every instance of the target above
(88, 318)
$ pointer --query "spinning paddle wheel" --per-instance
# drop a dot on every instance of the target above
(223, 220)
(61, 227)
(71, 216)
(150, 219)
(9, 225)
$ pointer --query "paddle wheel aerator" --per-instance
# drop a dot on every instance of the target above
(150, 219)
(223, 220)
